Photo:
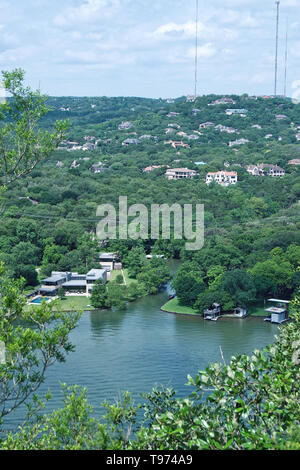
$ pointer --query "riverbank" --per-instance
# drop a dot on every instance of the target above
(173, 306)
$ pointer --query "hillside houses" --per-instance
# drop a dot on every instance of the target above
(180, 173)
(295, 161)
(223, 178)
(264, 169)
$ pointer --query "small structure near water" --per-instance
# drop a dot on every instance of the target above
(213, 313)
(279, 313)
(240, 312)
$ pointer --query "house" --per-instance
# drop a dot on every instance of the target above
(195, 111)
(236, 112)
(228, 130)
(279, 313)
(108, 260)
(263, 169)
(213, 313)
(280, 117)
(71, 282)
(98, 168)
(88, 146)
(125, 126)
(174, 125)
(224, 100)
(191, 98)
(146, 136)
(296, 161)
(224, 178)
(298, 136)
(172, 114)
(127, 142)
(206, 125)
(169, 130)
(75, 164)
(240, 312)
(180, 173)
(268, 136)
(256, 126)
(148, 169)
(272, 170)
(238, 142)
(177, 144)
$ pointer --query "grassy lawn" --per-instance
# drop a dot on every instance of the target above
(73, 303)
(76, 303)
(258, 311)
(114, 274)
(173, 307)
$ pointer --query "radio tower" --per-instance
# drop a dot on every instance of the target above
(276, 53)
(286, 57)
(196, 49)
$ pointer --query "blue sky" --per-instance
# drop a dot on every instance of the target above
(146, 47)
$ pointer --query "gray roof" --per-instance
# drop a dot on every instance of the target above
(95, 274)
(75, 284)
(55, 278)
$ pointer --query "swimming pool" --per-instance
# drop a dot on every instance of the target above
(39, 300)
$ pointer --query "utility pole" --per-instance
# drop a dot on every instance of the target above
(276, 53)
(196, 49)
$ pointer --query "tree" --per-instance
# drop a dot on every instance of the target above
(99, 297)
(30, 349)
(22, 143)
(135, 260)
(239, 287)
(187, 287)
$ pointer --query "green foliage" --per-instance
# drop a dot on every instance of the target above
(34, 340)
(22, 144)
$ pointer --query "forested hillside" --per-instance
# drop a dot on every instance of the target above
(251, 229)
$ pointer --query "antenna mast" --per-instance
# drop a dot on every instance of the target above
(286, 57)
(276, 54)
(196, 49)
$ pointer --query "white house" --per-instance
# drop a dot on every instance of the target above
(224, 178)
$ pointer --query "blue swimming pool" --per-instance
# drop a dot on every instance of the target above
(39, 300)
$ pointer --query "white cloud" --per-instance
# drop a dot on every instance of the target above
(88, 11)
(205, 51)
(186, 30)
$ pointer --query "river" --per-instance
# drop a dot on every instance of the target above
(142, 346)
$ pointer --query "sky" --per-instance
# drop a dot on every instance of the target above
(146, 48)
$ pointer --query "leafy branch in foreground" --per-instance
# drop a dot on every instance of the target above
(34, 339)
(22, 143)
